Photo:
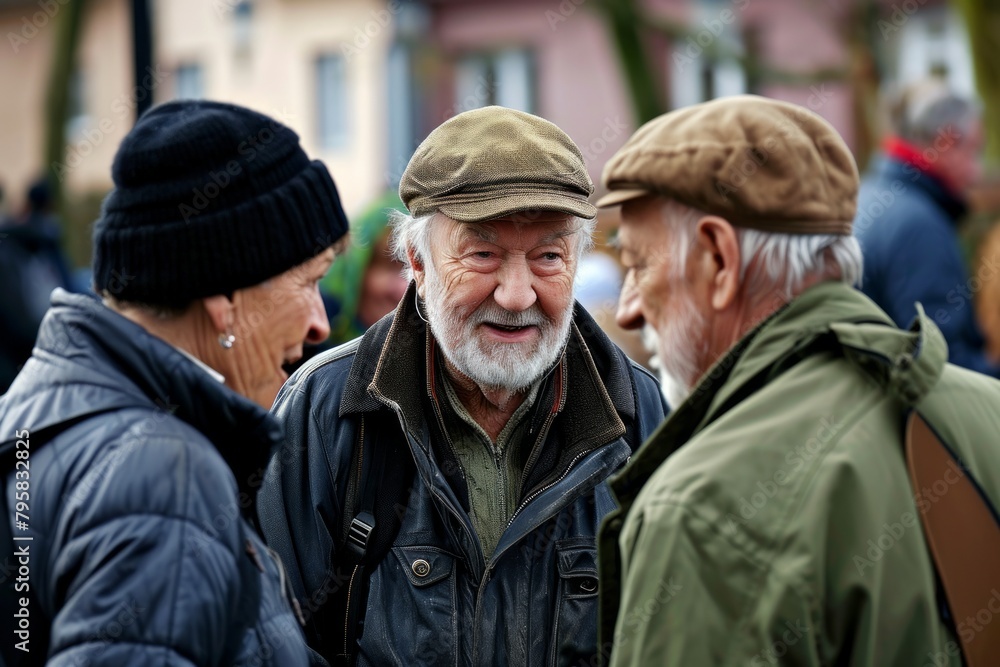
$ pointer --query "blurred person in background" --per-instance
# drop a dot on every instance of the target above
(367, 281)
(987, 279)
(147, 408)
(909, 208)
(32, 264)
(771, 519)
(498, 407)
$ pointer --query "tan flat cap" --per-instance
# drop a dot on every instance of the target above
(757, 162)
(492, 162)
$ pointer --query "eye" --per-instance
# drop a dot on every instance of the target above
(551, 256)
(484, 254)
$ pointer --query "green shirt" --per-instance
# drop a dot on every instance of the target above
(492, 469)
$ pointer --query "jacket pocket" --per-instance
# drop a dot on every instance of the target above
(411, 617)
(574, 639)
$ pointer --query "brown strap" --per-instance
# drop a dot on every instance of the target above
(964, 540)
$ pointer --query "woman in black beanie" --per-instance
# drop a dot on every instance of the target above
(144, 414)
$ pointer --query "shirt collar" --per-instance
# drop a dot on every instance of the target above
(217, 376)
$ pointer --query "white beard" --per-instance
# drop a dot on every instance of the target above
(492, 364)
(677, 347)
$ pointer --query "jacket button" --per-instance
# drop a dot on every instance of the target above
(421, 568)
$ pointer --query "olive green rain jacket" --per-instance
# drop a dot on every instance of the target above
(771, 520)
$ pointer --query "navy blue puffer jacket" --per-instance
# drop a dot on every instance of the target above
(141, 554)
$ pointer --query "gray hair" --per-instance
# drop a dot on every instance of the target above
(926, 109)
(784, 261)
(415, 232)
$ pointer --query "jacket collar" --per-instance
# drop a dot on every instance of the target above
(830, 316)
(890, 169)
(89, 359)
(391, 362)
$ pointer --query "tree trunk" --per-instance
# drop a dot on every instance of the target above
(67, 26)
(623, 20)
(982, 19)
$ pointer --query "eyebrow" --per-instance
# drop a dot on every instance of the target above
(481, 232)
(549, 238)
(489, 235)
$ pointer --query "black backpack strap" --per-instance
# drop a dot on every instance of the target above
(372, 516)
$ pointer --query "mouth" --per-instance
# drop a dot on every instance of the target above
(509, 333)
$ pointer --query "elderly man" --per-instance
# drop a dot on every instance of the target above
(909, 208)
(443, 481)
(771, 520)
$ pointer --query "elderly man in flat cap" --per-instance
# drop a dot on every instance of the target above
(439, 496)
(772, 518)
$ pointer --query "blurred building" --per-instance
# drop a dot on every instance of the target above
(363, 81)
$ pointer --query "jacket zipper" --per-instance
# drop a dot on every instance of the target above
(542, 433)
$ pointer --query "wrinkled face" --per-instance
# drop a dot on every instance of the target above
(499, 295)
(657, 297)
(271, 322)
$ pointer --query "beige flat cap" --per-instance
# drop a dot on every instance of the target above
(757, 162)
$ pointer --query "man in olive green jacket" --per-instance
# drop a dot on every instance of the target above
(770, 520)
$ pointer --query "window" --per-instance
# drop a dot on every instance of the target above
(933, 42)
(243, 26)
(505, 78)
(706, 64)
(189, 83)
(331, 96)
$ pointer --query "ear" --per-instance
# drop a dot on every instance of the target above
(419, 274)
(221, 311)
(719, 261)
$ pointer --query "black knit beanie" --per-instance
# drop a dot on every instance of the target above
(210, 198)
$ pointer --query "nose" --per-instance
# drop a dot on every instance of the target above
(319, 325)
(629, 315)
(515, 290)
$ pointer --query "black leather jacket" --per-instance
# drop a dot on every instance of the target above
(534, 600)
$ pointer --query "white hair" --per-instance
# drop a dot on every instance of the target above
(923, 110)
(415, 232)
(784, 262)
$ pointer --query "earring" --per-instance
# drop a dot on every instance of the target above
(226, 341)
